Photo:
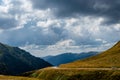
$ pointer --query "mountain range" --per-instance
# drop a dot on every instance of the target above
(68, 57)
(14, 60)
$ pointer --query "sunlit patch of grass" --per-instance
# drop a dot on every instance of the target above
(2, 77)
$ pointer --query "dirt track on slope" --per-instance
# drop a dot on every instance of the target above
(57, 68)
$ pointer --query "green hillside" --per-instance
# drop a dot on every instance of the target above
(109, 58)
(14, 60)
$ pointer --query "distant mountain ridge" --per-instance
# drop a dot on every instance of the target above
(109, 58)
(14, 60)
(68, 57)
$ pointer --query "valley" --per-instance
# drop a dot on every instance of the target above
(103, 66)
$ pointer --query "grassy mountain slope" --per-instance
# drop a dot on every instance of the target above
(16, 78)
(68, 57)
(15, 61)
(57, 74)
(109, 58)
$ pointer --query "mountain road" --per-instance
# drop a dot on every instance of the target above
(112, 68)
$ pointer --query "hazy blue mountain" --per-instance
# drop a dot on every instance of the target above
(68, 57)
(14, 60)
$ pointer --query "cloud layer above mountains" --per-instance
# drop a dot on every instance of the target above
(53, 26)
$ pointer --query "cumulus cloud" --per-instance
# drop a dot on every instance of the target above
(14, 13)
(108, 9)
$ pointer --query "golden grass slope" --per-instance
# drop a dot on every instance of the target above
(75, 74)
(109, 58)
(2, 77)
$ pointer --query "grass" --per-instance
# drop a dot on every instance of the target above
(109, 58)
(16, 78)
(57, 74)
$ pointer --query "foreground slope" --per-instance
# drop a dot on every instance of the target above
(16, 61)
(16, 78)
(74, 74)
(68, 57)
(109, 58)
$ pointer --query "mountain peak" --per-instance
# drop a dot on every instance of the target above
(1, 44)
(116, 47)
(118, 44)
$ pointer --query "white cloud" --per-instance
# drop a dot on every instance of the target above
(5, 6)
(100, 40)
(64, 45)
(47, 23)
(117, 27)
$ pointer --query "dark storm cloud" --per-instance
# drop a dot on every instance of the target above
(109, 9)
(20, 37)
(7, 23)
(10, 15)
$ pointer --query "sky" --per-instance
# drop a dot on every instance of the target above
(51, 27)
